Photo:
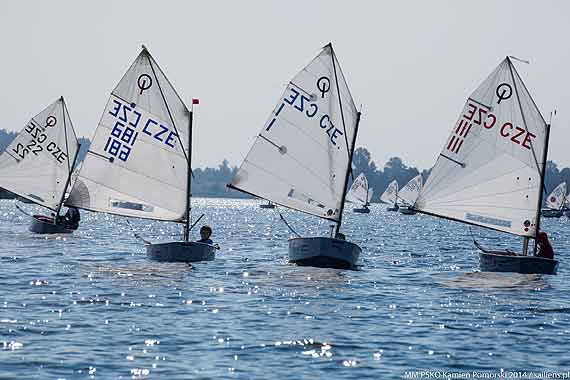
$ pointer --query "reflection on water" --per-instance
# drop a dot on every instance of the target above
(90, 305)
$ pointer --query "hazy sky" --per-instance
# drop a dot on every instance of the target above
(411, 64)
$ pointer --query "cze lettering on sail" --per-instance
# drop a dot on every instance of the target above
(308, 106)
(38, 143)
(127, 122)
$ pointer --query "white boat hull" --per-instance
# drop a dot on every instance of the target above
(46, 226)
(181, 251)
(323, 252)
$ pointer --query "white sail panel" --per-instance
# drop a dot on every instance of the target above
(301, 156)
(370, 194)
(358, 192)
(38, 163)
(390, 195)
(409, 193)
(136, 165)
(557, 198)
(488, 172)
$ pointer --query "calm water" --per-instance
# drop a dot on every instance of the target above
(91, 305)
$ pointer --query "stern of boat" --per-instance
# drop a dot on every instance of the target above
(323, 252)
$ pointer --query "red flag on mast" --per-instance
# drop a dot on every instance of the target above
(195, 101)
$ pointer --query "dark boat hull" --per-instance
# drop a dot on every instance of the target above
(362, 210)
(44, 225)
(323, 252)
(498, 261)
(181, 251)
(550, 213)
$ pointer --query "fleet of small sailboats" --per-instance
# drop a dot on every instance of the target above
(490, 172)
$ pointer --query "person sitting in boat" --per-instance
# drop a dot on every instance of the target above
(340, 235)
(205, 233)
(544, 247)
(72, 217)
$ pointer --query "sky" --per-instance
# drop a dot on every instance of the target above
(409, 64)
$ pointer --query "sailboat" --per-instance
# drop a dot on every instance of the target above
(139, 162)
(390, 196)
(359, 193)
(269, 204)
(490, 172)
(409, 194)
(39, 163)
(302, 158)
(555, 202)
(370, 194)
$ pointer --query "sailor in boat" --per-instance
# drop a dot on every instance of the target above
(205, 233)
(544, 247)
(72, 217)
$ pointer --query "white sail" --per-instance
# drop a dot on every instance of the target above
(557, 198)
(38, 163)
(488, 172)
(408, 194)
(390, 195)
(370, 194)
(302, 154)
(358, 192)
(137, 163)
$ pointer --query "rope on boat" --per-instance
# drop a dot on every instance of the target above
(136, 235)
(24, 212)
(287, 224)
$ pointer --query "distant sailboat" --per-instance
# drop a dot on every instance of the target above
(409, 194)
(269, 204)
(390, 196)
(301, 158)
(555, 202)
(490, 172)
(139, 161)
(39, 163)
(359, 193)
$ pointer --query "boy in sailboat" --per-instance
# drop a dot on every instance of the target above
(544, 247)
(72, 216)
(205, 233)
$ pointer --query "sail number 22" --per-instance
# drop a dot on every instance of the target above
(37, 143)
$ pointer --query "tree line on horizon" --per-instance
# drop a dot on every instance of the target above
(211, 182)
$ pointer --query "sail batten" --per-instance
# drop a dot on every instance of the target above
(488, 172)
(300, 158)
(137, 163)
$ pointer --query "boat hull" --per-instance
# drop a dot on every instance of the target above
(181, 251)
(361, 210)
(550, 213)
(393, 208)
(265, 205)
(323, 252)
(499, 261)
(407, 210)
(44, 225)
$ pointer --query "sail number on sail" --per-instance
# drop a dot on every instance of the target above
(481, 115)
(308, 106)
(39, 142)
(127, 124)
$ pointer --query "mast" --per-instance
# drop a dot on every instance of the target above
(69, 168)
(542, 175)
(189, 178)
(347, 171)
(348, 168)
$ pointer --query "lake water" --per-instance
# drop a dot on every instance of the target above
(91, 305)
